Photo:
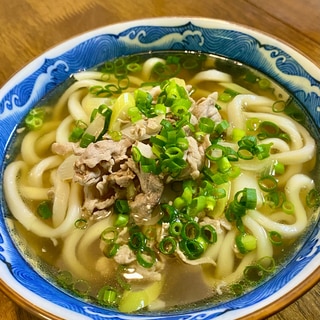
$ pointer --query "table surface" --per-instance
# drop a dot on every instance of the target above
(30, 27)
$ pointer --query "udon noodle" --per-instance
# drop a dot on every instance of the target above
(162, 180)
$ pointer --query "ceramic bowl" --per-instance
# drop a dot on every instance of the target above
(296, 73)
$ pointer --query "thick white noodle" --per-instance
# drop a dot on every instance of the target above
(75, 107)
(60, 201)
(44, 142)
(210, 75)
(148, 66)
(225, 261)
(239, 104)
(246, 180)
(63, 131)
(62, 103)
(247, 260)
(293, 188)
(33, 193)
(284, 123)
(264, 246)
(214, 249)
(69, 256)
(35, 178)
(92, 234)
(26, 217)
(29, 143)
(302, 144)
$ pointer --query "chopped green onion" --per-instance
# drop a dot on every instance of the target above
(251, 77)
(269, 128)
(86, 140)
(209, 234)
(192, 248)
(224, 165)
(111, 249)
(180, 106)
(247, 197)
(182, 143)
(246, 243)
(146, 257)
(262, 151)
(136, 154)
(237, 289)
(198, 204)
(274, 199)
(267, 264)
(65, 279)
(109, 235)
(278, 168)
(244, 199)
(160, 108)
(169, 213)
(245, 153)
(275, 238)
(122, 220)
(115, 135)
(77, 131)
(137, 241)
(134, 67)
(279, 106)
(174, 152)
(215, 152)
(81, 288)
(81, 223)
(288, 207)
(134, 114)
(206, 125)
(237, 134)
(234, 172)
(253, 273)
(35, 118)
(227, 95)
(268, 183)
(175, 228)
(107, 296)
(190, 230)
(121, 206)
(313, 198)
(221, 127)
(44, 209)
(264, 83)
(168, 245)
(253, 124)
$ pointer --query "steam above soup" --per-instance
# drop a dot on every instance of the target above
(162, 180)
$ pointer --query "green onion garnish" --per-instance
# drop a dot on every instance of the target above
(168, 245)
(44, 209)
(107, 296)
(275, 238)
(146, 257)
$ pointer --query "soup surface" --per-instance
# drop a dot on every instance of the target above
(163, 181)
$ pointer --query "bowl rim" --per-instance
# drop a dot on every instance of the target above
(308, 64)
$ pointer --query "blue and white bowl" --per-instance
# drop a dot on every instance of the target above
(28, 286)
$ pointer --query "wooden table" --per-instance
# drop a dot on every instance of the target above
(29, 27)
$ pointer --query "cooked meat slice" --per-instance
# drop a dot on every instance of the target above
(143, 129)
(104, 151)
(151, 191)
(124, 255)
(205, 107)
(195, 156)
(98, 158)
(63, 148)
